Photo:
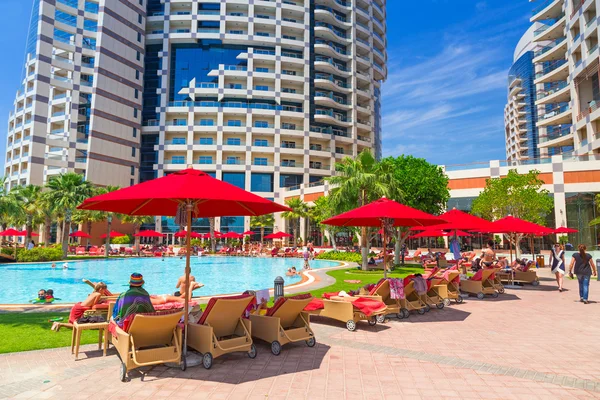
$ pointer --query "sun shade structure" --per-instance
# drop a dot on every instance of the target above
(185, 195)
(12, 232)
(459, 220)
(113, 234)
(563, 229)
(512, 226)
(232, 235)
(32, 233)
(278, 235)
(148, 233)
(80, 234)
(438, 233)
(376, 213)
(193, 235)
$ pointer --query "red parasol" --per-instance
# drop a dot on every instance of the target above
(511, 226)
(148, 233)
(184, 194)
(375, 214)
(278, 235)
(249, 233)
(193, 235)
(438, 233)
(113, 234)
(32, 233)
(80, 234)
(563, 229)
(232, 235)
(12, 232)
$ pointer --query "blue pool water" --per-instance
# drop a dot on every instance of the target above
(220, 275)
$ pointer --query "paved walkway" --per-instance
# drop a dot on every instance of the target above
(531, 343)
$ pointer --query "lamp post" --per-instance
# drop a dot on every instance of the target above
(278, 288)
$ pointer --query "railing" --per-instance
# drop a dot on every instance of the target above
(594, 48)
(179, 31)
(330, 61)
(332, 28)
(176, 141)
(207, 85)
(362, 9)
(70, 3)
(262, 163)
(590, 22)
(555, 87)
(209, 12)
(577, 4)
(291, 55)
(542, 6)
(364, 138)
(555, 134)
(592, 106)
(377, 6)
(205, 161)
(152, 122)
(81, 159)
(62, 59)
(181, 13)
(234, 143)
(90, 7)
(549, 47)
(318, 166)
(205, 142)
(363, 42)
(550, 67)
(330, 10)
(332, 79)
(208, 30)
(379, 52)
(555, 111)
(178, 161)
(331, 96)
(331, 46)
(234, 162)
(235, 68)
(330, 113)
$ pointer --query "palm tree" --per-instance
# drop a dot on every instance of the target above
(213, 242)
(29, 198)
(87, 217)
(65, 192)
(262, 222)
(108, 216)
(320, 212)
(8, 203)
(358, 182)
(137, 221)
(299, 209)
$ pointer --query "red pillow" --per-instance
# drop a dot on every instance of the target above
(315, 304)
(330, 295)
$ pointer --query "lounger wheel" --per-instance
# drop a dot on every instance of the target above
(440, 305)
(311, 342)
(400, 315)
(421, 311)
(207, 360)
(446, 302)
(535, 283)
(372, 321)
(276, 348)
(501, 289)
(351, 325)
(405, 312)
(459, 299)
(123, 373)
(183, 364)
(380, 318)
(480, 295)
(495, 295)
(252, 352)
(427, 308)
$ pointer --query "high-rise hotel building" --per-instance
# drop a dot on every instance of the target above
(261, 94)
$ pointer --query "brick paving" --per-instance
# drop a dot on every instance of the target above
(531, 343)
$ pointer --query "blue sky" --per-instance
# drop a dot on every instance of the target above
(446, 88)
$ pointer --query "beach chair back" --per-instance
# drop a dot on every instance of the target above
(409, 287)
(487, 274)
(154, 329)
(289, 310)
(383, 290)
(224, 313)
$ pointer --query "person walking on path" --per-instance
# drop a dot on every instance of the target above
(557, 263)
(584, 269)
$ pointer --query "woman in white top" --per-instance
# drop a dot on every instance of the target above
(557, 262)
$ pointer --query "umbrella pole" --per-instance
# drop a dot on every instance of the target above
(189, 207)
(384, 252)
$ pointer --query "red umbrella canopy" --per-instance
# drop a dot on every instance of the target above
(457, 219)
(438, 233)
(113, 234)
(232, 235)
(563, 229)
(32, 233)
(278, 235)
(371, 215)
(148, 233)
(511, 224)
(193, 235)
(80, 234)
(249, 233)
(12, 232)
(163, 196)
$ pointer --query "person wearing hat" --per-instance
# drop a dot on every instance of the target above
(133, 301)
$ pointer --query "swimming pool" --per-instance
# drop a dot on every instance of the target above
(220, 275)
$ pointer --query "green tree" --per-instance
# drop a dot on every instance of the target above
(213, 241)
(299, 209)
(29, 199)
(87, 217)
(424, 187)
(358, 182)
(321, 211)
(8, 203)
(519, 195)
(137, 221)
(262, 222)
(65, 192)
(108, 216)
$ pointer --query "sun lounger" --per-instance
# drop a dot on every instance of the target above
(284, 323)
(349, 310)
(382, 293)
(80, 251)
(526, 275)
(222, 330)
(451, 279)
(481, 284)
(412, 300)
(436, 296)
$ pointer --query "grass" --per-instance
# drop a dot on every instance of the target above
(31, 331)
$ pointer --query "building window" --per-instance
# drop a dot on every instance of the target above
(234, 141)
(261, 182)
(139, 37)
(138, 56)
(139, 18)
(134, 132)
(206, 141)
(288, 163)
(260, 161)
(131, 182)
(141, 2)
(135, 113)
(288, 145)
(234, 122)
(178, 160)
(136, 93)
(232, 160)
(132, 170)
(261, 142)
(236, 179)
(261, 124)
(207, 122)
(263, 88)
(137, 75)
(205, 160)
(262, 69)
(133, 152)
(290, 180)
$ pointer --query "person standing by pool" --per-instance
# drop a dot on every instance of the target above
(31, 245)
(557, 262)
(135, 300)
(584, 269)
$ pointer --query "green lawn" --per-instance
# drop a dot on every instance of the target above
(31, 331)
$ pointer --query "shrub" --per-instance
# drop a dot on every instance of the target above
(122, 240)
(40, 254)
(196, 242)
(340, 256)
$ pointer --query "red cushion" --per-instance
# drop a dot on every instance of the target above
(315, 304)
(280, 301)
(477, 276)
(174, 305)
(330, 295)
(212, 302)
(100, 306)
(129, 319)
(367, 306)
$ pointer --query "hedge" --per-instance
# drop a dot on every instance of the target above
(36, 254)
(340, 256)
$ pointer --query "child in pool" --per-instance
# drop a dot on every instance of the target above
(49, 296)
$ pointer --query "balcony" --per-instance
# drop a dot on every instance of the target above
(551, 89)
(553, 70)
(547, 9)
(592, 106)
(557, 115)
(550, 49)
